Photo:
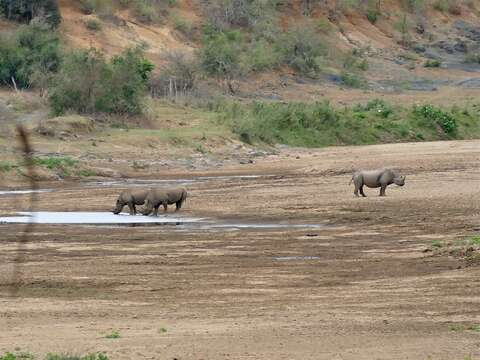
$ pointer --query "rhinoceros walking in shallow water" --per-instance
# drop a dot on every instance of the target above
(380, 178)
(157, 197)
(130, 198)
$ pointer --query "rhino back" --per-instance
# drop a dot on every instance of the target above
(175, 195)
(139, 196)
(371, 178)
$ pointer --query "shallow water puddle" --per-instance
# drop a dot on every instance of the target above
(296, 258)
(21, 192)
(107, 218)
(92, 218)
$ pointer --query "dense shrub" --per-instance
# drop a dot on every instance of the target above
(352, 80)
(432, 63)
(377, 106)
(430, 115)
(221, 51)
(245, 13)
(32, 52)
(26, 10)
(302, 48)
(99, 7)
(177, 77)
(88, 83)
(260, 55)
(372, 15)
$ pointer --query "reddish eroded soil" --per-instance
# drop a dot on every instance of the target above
(361, 287)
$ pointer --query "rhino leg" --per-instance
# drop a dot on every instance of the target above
(155, 211)
(165, 206)
(382, 190)
(178, 205)
(361, 191)
(148, 208)
(131, 206)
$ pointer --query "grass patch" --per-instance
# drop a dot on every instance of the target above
(115, 334)
(93, 25)
(473, 240)
(63, 165)
(17, 356)
(320, 124)
(6, 166)
(162, 330)
(437, 244)
(98, 356)
(55, 162)
(432, 64)
(85, 173)
(475, 328)
(352, 80)
(462, 327)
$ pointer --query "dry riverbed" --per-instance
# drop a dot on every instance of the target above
(288, 266)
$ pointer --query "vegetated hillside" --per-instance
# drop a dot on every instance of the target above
(266, 71)
(419, 49)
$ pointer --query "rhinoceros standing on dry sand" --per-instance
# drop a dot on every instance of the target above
(157, 197)
(380, 178)
(130, 198)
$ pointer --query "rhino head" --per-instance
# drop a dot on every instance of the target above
(399, 180)
(118, 207)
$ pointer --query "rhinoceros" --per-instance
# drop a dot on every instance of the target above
(157, 197)
(379, 178)
(130, 198)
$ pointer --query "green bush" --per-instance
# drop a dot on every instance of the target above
(430, 115)
(6, 166)
(352, 80)
(145, 11)
(221, 51)
(355, 61)
(377, 106)
(87, 83)
(93, 24)
(182, 25)
(432, 63)
(372, 15)
(178, 75)
(472, 58)
(99, 7)
(302, 48)
(261, 55)
(34, 49)
(225, 14)
(441, 5)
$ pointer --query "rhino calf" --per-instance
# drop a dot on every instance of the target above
(130, 198)
(380, 178)
(165, 197)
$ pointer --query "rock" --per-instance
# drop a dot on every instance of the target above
(104, 172)
(419, 48)
(66, 126)
(40, 174)
(460, 46)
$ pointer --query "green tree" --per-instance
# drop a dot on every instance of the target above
(27, 10)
